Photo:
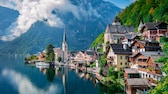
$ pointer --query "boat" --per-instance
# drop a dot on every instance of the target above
(42, 65)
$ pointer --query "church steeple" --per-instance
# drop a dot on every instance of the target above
(64, 37)
(65, 47)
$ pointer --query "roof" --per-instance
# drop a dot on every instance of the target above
(116, 19)
(146, 43)
(131, 70)
(137, 82)
(90, 52)
(153, 54)
(121, 49)
(154, 25)
(133, 55)
(130, 36)
(119, 29)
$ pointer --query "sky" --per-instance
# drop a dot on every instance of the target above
(121, 3)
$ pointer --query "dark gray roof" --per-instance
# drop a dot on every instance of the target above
(155, 25)
(131, 70)
(152, 53)
(130, 36)
(89, 52)
(138, 82)
(119, 29)
(119, 49)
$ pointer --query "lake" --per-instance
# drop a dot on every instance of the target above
(18, 78)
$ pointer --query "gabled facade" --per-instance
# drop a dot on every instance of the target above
(118, 56)
(136, 86)
(153, 30)
(142, 46)
(90, 56)
(41, 56)
(116, 32)
(129, 39)
(146, 65)
(58, 53)
(80, 56)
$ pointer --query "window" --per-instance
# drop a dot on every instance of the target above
(121, 63)
(126, 57)
(139, 60)
(120, 57)
(125, 63)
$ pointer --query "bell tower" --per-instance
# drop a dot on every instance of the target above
(65, 47)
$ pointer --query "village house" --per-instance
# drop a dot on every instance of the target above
(88, 56)
(129, 39)
(145, 45)
(118, 55)
(153, 30)
(80, 57)
(136, 86)
(58, 53)
(131, 73)
(41, 56)
(146, 65)
(115, 32)
(72, 55)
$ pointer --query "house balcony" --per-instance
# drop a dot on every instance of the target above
(154, 71)
(141, 63)
(143, 69)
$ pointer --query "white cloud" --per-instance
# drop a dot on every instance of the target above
(25, 86)
(31, 11)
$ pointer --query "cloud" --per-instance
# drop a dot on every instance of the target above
(25, 86)
(31, 11)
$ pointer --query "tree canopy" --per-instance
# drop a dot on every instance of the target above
(50, 56)
(146, 10)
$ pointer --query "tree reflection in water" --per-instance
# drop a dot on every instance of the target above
(50, 73)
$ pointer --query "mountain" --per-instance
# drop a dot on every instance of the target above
(6, 20)
(80, 32)
(145, 10)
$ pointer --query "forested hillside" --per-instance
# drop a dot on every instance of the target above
(147, 10)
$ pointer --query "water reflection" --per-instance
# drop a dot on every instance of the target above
(50, 73)
(24, 86)
(18, 78)
(59, 72)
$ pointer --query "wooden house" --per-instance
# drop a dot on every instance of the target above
(146, 65)
(142, 46)
(153, 30)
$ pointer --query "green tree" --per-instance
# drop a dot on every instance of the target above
(50, 56)
(162, 87)
(59, 59)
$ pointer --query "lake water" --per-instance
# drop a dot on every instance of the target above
(18, 78)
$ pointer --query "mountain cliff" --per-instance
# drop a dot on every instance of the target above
(80, 32)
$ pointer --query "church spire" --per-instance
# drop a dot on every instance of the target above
(65, 47)
(64, 37)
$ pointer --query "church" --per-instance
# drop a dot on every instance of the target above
(63, 53)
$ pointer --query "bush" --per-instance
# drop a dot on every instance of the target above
(93, 65)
